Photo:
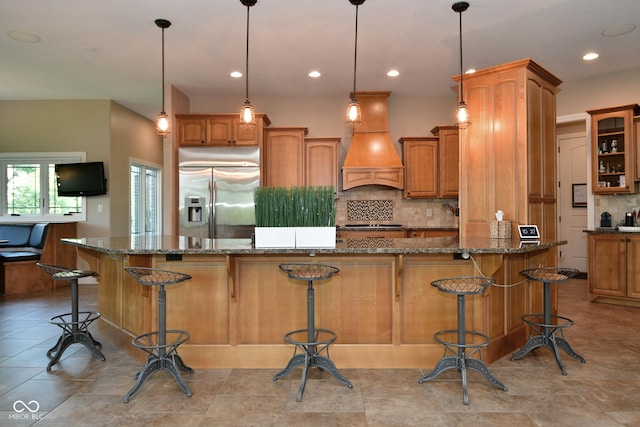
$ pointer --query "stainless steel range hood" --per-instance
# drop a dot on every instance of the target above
(372, 158)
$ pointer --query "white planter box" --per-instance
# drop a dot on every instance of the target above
(275, 237)
(315, 237)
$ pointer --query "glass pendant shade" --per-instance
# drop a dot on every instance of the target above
(247, 116)
(162, 124)
(462, 115)
(354, 115)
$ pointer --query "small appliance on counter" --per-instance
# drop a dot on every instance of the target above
(605, 219)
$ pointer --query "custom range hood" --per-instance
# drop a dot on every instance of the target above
(372, 158)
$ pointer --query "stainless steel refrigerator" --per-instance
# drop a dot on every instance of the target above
(216, 191)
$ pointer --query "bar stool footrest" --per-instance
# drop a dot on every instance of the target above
(149, 342)
(310, 356)
(74, 332)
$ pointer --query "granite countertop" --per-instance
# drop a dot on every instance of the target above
(609, 230)
(156, 244)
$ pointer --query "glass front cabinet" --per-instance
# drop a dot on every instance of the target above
(614, 149)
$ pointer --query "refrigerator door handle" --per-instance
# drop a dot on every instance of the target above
(212, 206)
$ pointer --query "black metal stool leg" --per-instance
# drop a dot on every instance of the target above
(309, 351)
(461, 360)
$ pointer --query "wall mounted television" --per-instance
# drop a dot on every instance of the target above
(81, 179)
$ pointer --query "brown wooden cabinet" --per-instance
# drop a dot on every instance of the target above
(614, 266)
(420, 158)
(283, 157)
(289, 159)
(636, 135)
(508, 153)
(218, 130)
(448, 160)
(614, 149)
(321, 162)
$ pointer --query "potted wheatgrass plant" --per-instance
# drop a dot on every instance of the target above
(301, 217)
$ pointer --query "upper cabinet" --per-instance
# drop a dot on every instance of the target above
(449, 160)
(432, 164)
(283, 157)
(218, 130)
(290, 159)
(420, 157)
(614, 149)
(636, 135)
(321, 162)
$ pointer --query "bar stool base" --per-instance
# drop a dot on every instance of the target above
(462, 361)
(161, 357)
(173, 364)
(74, 333)
(310, 357)
(544, 335)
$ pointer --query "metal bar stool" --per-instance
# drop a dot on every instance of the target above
(310, 341)
(163, 355)
(545, 326)
(74, 325)
(458, 341)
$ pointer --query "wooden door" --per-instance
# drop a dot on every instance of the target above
(321, 162)
(607, 274)
(633, 267)
(283, 164)
(192, 132)
(220, 131)
(421, 167)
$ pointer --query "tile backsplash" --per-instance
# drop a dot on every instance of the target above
(386, 206)
(616, 205)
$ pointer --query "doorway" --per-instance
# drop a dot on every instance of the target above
(572, 194)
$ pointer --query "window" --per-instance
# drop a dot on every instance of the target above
(29, 191)
(146, 200)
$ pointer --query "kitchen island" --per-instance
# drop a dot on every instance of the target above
(238, 304)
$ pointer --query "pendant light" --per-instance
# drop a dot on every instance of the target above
(247, 114)
(354, 115)
(462, 113)
(162, 122)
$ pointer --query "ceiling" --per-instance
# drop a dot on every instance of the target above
(112, 49)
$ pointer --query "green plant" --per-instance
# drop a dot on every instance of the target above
(298, 207)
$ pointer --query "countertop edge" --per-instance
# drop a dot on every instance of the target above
(243, 247)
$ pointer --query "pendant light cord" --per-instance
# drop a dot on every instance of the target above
(461, 72)
(246, 64)
(355, 55)
(163, 70)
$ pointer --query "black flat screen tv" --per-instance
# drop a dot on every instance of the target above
(81, 179)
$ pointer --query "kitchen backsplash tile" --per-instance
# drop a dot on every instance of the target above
(369, 210)
(616, 205)
(352, 207)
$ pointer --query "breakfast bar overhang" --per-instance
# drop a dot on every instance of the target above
(238, 304)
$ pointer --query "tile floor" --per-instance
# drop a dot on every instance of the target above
(82, 390)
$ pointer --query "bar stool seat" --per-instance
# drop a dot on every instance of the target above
(458, 341)
(161, 345)
(310, 341)
(74, 325)
(547, 330)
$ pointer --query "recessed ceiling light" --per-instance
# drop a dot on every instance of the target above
(393, 73)
(618, 30)
(470, 71)
(236, 74)
(23, 36)
(315, 74)
(590, 56)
